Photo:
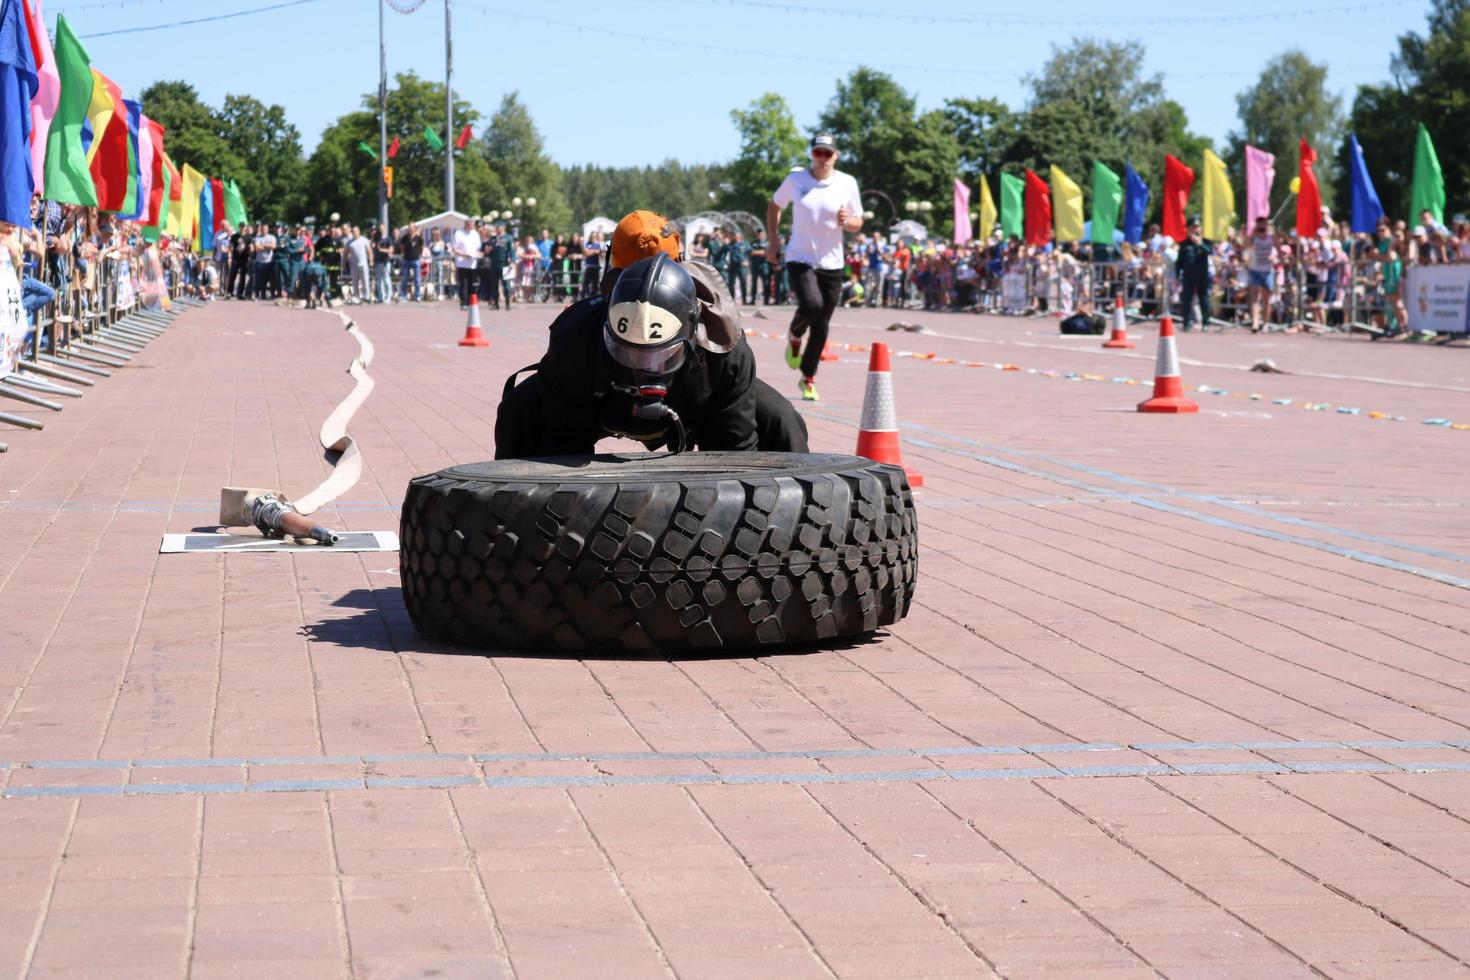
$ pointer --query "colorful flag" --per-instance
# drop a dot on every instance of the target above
(235, 205)
(132, 116)
(987, 210)
(1135, 204)
(1038, 210)
(1066, 199)
(1012, 206)
(1178, 180)
(204, 230)
(67, 178)
(48, 89)
(1260, 174)
(193, 187)
(1219, 199)
(18, 85)
(217, 190)
(463, 140)
(962, 230)
(432, 138)
(1367, 209)
(1107, 203)
(174, 200)
(392, 149)
(145, 171)
(1428, 184)
(107, 152)
(363, 146)
(1308, 197)
(156, 189)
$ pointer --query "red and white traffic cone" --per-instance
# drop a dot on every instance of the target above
(828, 354)
(472, 335)
(1119, 339)
(878, 431)
(1168, 387)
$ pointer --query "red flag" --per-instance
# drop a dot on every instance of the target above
(465, 135)
(217, 208)
(393, 148)
(1038, 210)
(1308, 196)
(1178, 180)
(155, 190)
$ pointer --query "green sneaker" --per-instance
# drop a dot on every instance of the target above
(808, 389)
(793, 354)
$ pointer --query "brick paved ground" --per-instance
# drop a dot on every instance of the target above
(1181, 696)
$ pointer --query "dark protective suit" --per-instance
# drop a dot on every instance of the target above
(569, 404)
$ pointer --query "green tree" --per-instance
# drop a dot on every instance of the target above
(770, 145)
(984, 131)
(192, 133)
(671, 188)
(1288, 103)
(341, 177)
(868, 116)
(260, 133)
(515, 152)
(1428, 86)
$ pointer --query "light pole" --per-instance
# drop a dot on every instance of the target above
(382, 121)
(448, 113)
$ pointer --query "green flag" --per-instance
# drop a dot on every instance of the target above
(234, 205)
(67, 177)
(367, 149)
(1012, 205)
(1428, 192)
(433, 138)
(1107, 202)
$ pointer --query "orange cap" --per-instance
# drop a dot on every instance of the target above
(641, 234)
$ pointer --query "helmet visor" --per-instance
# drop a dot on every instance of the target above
(645, 337)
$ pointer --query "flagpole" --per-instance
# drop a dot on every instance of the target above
(382, 121)
(448, 112)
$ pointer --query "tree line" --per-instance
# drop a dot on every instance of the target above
(1091, 100)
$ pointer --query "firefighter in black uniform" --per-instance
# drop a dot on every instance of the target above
(1193, 268)
(658, 357)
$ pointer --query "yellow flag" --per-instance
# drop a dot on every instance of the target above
(1066, 206)
(988, 214)
(100, 111)
(1219, 199)
(189, 216)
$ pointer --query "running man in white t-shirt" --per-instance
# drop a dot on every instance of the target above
(824, 203)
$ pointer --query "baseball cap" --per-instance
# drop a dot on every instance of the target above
(641, 234)
(825, 141)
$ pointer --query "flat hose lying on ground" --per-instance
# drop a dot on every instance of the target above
(347, 470)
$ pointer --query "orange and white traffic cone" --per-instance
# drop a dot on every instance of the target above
(472, 335)
(878, 431)
(1119, 339)
(828, 354)
(1168, 387)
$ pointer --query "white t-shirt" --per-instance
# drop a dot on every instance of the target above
(816, 239)
(466, 242)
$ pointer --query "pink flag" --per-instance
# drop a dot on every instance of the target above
(1260, 172)
(962, 231)
(48, 91)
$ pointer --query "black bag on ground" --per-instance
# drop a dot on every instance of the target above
(1081, 323)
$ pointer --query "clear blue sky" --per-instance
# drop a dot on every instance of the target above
(620, 100)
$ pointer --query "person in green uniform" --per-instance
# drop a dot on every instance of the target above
(760, 271)
(737, 258)
(295, 249)
(719, 251)
(283, 264)
(1193, 267)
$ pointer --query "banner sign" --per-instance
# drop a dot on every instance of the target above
(1438, 298)
(12, 318)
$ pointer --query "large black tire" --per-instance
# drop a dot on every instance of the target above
(642, 553)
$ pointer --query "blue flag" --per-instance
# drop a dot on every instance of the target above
(1135, 204)
(1366, 208)
(18, 84)
(206, 219)
(135, 179)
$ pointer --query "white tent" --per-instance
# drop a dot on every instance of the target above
(599, 223)
(444, 219)
(909, 229)
(700, 225)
